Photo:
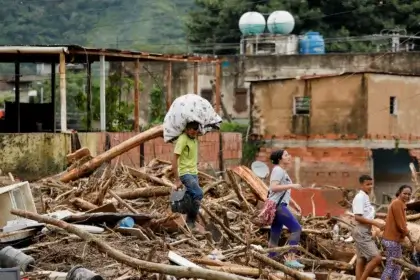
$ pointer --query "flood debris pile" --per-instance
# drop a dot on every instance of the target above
(128, 209)
(115, 221)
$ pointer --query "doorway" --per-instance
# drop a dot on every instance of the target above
(390, 171)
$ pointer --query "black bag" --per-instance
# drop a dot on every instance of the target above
(181, 201)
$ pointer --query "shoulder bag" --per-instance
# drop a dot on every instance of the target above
(266, 215)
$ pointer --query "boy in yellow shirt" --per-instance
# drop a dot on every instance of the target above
(185, 168)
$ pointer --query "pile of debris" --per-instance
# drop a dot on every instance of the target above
(116, 220)
(128, 209)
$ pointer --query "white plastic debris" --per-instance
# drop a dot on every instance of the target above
(188, 108)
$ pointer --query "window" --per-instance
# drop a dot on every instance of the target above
(301, 105)
(241, 104)
(393, 105)
(207, 93)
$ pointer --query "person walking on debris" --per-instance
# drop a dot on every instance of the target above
(279, 192)
(368, 255)
(395, 232)
(185, 169)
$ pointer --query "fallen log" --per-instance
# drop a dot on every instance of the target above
(406, 264)
(125, 204)
(237, 188)
(256, 184)
(220, 222)
(413, 217)
(143, 175)
(200, 173)
(187, 272)
(80, 153)
(327, 264)
(82, 204)
(145, 192)
(286, 270)
(115, 151)
(236, 269)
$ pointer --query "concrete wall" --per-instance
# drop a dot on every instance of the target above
(357, 104)
(35, 155)
(239, 71)
(337, 105)
(407, 92)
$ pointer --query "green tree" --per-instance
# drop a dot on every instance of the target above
(117, 112)
(157, 106)
(217, 20)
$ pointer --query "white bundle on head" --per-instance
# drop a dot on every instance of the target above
(189, 108)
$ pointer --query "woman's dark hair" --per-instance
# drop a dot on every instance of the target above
(276, 156)
(400, 189)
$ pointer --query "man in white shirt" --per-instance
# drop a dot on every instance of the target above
(368, 255)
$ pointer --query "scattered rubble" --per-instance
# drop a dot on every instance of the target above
(116, 222)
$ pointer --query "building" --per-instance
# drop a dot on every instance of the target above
(341, 126)
(239, 71)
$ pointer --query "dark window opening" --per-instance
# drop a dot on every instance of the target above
(302, 105)
(393, 105)
(207, 94)
(241, 104)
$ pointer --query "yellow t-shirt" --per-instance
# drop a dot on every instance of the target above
(187, 149)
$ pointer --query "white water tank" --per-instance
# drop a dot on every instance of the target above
(252, 23)
(280, 22)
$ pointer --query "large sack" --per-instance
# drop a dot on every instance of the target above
(188, 108)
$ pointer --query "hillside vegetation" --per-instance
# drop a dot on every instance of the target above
(157, 24)
(194, 25)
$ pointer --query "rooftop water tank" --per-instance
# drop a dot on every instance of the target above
(280, 22)
(252, 23)
(312, 43)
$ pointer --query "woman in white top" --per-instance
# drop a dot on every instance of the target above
(279, 192)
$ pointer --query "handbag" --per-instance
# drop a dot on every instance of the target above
(266, 215)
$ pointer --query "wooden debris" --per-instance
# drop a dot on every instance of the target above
(190, 272)
(226, 241)
(112, 153)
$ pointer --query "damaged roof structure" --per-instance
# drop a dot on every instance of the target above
(64, 54)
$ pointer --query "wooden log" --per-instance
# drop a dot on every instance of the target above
(256, 184)
(286, 270)
(145, 192)
(181, 272)
(80, 153)
(200, 173)
(115, 151)
(237, 188)
(239, 270)
(143, 175)
(220, 222)
(327, 264)
(120, 200)
(413, 217)
(82, 204)
(103, 189)
(406, 264)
